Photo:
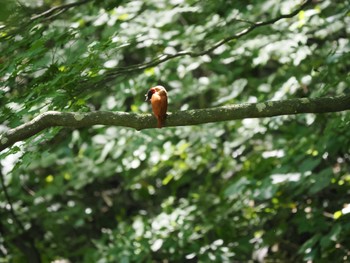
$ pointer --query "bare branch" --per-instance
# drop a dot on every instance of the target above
(59, 9)
(178, 118)
(165, 57)
(46, 15)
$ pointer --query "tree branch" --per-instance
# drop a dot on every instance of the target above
(178, 118)
(59, 9)
(165, 57)
(46, 15)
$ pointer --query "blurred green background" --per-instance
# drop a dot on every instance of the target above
(259, 190)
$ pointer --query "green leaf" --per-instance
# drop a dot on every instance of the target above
(322, 180)
(331, 238)
(237, 187)
(309, 246)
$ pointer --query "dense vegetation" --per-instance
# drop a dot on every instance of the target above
(269, 189)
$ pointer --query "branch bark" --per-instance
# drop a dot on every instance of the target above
(178, 118)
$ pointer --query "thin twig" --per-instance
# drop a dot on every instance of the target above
(46, 15)
(165, 57)
(8, 199)
(65, 7)
(33, 251)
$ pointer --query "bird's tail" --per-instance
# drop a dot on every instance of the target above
(160, 121)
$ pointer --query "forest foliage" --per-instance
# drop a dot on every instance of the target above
(269, 189)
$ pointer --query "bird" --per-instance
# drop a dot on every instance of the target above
(159, 100)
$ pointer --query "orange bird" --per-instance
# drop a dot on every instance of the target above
(159, 100)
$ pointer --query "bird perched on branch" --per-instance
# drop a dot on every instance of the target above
(159, 100)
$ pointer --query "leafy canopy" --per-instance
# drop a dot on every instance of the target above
(273, 189)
